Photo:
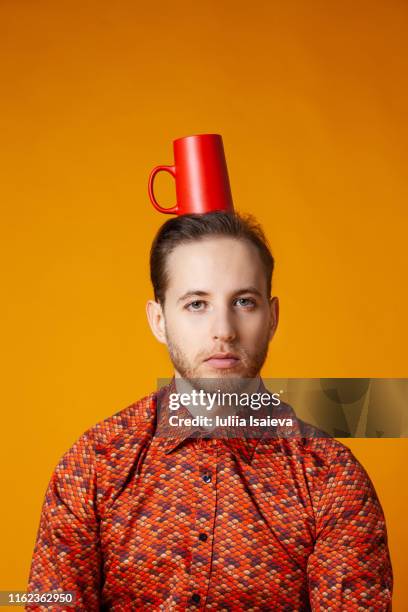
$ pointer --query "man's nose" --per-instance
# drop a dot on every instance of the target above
(223, 326)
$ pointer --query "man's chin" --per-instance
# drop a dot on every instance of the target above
(225, 379)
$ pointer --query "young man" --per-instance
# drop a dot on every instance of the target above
(135, 520)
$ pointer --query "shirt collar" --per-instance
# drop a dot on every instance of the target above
(242, 447)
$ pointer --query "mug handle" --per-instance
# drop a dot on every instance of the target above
(171, 170)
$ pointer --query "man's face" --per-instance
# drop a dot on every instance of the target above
(217, 319)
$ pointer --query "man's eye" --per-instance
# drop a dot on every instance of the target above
(196, 305)
(246, 302)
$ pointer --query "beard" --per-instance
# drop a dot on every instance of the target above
(227, 380)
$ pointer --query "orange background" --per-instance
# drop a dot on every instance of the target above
(311, 100)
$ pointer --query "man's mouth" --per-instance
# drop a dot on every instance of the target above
(222, 360)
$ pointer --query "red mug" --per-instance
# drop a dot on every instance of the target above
(201, 175)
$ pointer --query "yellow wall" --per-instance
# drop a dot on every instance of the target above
(311, 100)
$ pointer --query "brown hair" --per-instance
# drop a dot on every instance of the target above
(192, 227)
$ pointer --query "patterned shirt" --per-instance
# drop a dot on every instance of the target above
(133, 520)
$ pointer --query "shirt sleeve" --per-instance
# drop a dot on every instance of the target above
(350, 567)
(67, 554)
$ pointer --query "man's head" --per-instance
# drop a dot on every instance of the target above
(212, 276)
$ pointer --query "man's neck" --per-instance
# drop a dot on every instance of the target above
(206, 402)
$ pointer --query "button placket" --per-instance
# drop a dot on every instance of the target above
(206, 497)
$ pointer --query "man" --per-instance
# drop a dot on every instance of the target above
(136, 519)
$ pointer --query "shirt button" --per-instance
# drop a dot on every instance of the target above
(207, 478)
(203, 537)
(195, 598)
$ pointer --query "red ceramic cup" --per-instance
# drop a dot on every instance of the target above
(201, 176)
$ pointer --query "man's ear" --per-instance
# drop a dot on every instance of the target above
(274, 306)
(155, 316)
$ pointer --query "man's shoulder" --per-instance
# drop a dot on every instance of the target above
(315, 449)
(98, 462)
(324, 448)
(329, 462)
(325, 463)
(303, 438)
(132, 421)
(328, 449)
(134, 418)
